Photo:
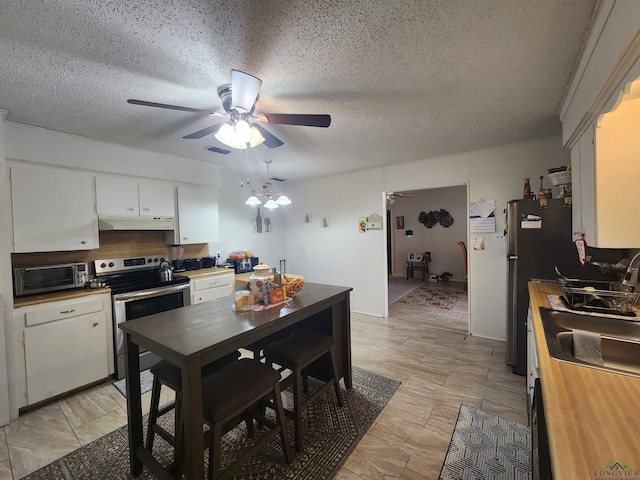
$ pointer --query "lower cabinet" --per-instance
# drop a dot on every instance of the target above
(64, 345)
(212, 287)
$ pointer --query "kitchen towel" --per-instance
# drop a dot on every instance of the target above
(587, 346)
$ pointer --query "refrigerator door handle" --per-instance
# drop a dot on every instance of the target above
(512, 257)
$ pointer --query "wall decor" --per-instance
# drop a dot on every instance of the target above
(307, 217)
(257, 222)
(325, 222)
(400, 223)
(374, 222)
(446, 220)
(362, 225)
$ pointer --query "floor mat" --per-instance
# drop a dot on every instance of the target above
(486, 446)
(331, 434)
(146, 382)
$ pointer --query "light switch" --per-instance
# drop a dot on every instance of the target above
(499, 237)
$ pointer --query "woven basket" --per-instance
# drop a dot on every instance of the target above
(560, 178)
(297, 282)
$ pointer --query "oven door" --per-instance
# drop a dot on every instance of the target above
(132, 305)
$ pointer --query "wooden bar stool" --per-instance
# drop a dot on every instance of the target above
(166, 373)
(228, 396)
(296, 352)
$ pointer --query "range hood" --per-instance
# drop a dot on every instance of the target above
(109, 222)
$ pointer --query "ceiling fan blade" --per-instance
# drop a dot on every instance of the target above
(296, 119)
(244, 90)
(270, 140)
(219, 150)
(204, 132)
(169, 107)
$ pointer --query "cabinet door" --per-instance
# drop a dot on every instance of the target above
(156, 199)
(53, 210)
(117, 196)
(197, 215)
(212, 287)
(587, 188)
(64, 355)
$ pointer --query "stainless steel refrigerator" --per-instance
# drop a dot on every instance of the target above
(533, 253)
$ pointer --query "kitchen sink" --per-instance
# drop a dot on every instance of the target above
(620, 339)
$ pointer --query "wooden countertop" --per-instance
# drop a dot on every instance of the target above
(592, 416)
(203, 272)
(60, 295)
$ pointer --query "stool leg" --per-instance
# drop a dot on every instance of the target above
(282, 421)
(297, 406)
(336, 381)
(153, 412)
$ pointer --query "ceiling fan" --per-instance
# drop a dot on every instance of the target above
(391, 196)
(244, 127)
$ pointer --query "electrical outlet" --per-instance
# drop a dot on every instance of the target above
(499, 237)
(218, 254)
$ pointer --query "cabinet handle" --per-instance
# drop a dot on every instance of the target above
(68, 311)
(213, 284)
(83, 242)
(185, 238)
(95, 324)
(146, 209)
(130, 209)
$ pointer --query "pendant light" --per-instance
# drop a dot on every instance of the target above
(273, 200)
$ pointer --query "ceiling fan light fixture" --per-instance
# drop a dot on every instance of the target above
(238, 133)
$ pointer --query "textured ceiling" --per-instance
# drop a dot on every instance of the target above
(402, 80)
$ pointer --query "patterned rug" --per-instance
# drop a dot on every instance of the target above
(430, 297)
(146, 383)
(331, 434)
(485, 446)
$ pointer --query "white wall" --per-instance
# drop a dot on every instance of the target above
(442, 242)
(340, 255)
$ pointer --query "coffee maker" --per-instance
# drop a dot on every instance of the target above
(177, 262)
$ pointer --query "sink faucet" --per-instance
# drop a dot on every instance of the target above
(631, 275)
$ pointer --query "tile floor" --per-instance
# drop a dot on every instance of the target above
(439, 365)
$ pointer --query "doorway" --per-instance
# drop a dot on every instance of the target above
(407, 213)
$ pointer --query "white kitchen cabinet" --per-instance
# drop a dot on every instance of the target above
(606, 157)
(197, 213)
(53, 210)
(212, 286)
(532, 358)
(132, 197)
(583, 188)
(63, 345)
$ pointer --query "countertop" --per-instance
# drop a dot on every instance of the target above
(59, 295)
(592, 416)
(203, 272)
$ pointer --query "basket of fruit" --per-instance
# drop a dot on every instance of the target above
(292, 284)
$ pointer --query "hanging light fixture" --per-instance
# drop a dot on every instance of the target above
(238, 133)
(273, 200)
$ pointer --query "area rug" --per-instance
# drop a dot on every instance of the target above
(485, 446)
(438, 298)
(331, 434)
(146, 382)
(399, 288)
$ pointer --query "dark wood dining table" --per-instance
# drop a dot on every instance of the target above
(196, 335)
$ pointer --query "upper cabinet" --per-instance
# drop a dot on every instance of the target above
(605, 169)
(197, 219)
(53, 210)
(131, 197)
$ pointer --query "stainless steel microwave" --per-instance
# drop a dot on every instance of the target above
(49, 278)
